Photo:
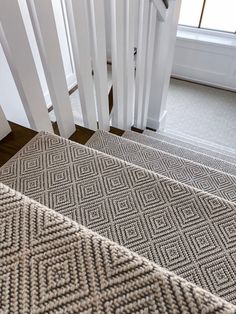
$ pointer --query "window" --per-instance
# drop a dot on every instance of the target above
(217, 15)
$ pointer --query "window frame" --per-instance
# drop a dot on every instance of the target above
(206, 36)
(199, 27)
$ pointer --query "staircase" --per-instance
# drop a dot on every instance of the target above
(161, 201)
(107, 217)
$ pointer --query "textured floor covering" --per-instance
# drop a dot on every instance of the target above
(195, 145)
(185, 230)
(204, 112)
(49, 264)
(174, 148)
(182, 170)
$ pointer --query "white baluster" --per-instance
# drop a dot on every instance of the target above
(129, 64)
(77, 12)
(141, 61)
(4, 125)
(118, 53)
(44, 25)
(97, 20)
(17, 50)
(149, 62)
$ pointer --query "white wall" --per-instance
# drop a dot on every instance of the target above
(9, 97)
(206, 59)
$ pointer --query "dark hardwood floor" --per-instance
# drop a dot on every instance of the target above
(81, 135)
(14, 141)
(20, 136)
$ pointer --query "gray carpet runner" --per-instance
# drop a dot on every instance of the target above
(195, 146)
(187, 231)
(52, 265)
(186, 153)
(194, 174)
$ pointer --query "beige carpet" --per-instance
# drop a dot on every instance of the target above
(49, 264)
(203, 112)
(194, 174)
(187, 231)
(174, 147)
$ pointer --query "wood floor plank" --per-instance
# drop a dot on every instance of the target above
(14, 141)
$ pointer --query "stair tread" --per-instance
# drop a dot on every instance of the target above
(186, 153)
(198, 176)
(223, 154)
(183, 229)
(67, 267)
(199, 141)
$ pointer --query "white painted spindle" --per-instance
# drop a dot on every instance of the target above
(129, 64)
(4, 125)
(77, 12)
(141, 61)
(44, 25)
(99, 58)
(149, 63)
(17, 50)
(118, 54)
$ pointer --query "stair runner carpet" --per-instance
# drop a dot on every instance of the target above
(185, 230)
(50, 264)
(194, 174)
(187, 153)
(194, 145)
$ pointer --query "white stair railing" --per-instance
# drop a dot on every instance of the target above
(17, 50)
(129, 91)
(144, 13)
(118, 64)
(44, 25)
(99, 60)
(131, 81)
(77, 12)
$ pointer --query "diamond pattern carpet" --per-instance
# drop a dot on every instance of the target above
(194, 145)
(194, 174)
(49, 264)
(186, 153)
(185, 230)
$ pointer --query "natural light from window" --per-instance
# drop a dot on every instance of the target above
(217, 15)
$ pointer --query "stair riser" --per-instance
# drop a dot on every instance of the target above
(195, 147)
(206, 160)
(195, 175)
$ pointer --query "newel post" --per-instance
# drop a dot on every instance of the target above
(162, 65)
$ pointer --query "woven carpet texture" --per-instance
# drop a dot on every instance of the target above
(174, 167)
(50, 264)
(183, 229)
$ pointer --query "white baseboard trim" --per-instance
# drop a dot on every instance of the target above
(202, 82)
(157, 125)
